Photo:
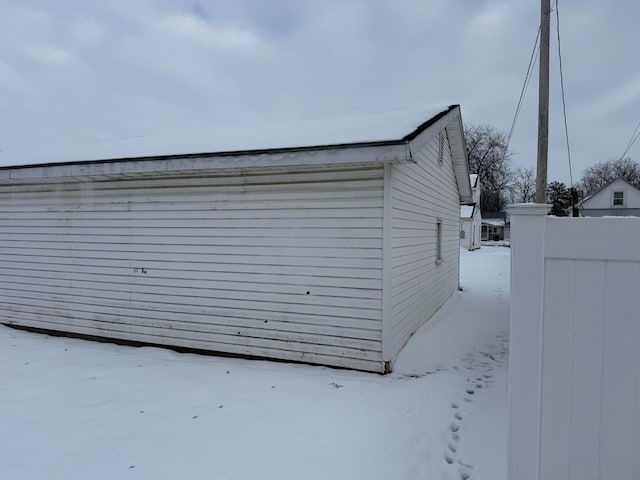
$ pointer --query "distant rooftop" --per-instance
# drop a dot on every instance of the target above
(466, 211)
(500, 215)
(496, 222)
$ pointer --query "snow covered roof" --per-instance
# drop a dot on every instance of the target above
(466, 211)
(348, 141)
(223, 138)
(496, 222)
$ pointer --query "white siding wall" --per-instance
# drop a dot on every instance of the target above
(280, 265)
(476, 228)
(574, 373)
(422, 193)
(472, 228)
(465, 226)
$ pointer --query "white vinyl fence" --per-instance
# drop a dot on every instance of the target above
(574, 381)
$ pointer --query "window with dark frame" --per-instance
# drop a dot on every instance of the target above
(618, 199)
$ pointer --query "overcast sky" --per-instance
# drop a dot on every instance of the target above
(77, 72)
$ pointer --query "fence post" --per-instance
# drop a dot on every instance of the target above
(527, 273)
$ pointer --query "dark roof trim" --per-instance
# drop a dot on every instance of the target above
(428, 123)
(235, 153)
(473, 210)
(238, 153)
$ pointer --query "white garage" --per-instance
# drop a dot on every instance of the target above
(333, 252)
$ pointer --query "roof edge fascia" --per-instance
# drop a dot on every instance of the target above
(330, 156)
(451, 119)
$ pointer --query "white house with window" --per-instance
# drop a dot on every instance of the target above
(495, 226)
(616, 199)
(471, 218)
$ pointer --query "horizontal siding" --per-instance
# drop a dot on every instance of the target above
(284, 265)
(422, 193)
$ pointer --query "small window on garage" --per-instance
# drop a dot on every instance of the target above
(618, 199)
(439, 241)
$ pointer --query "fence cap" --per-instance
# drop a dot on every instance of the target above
(529, 208)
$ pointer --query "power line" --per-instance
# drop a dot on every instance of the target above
(532, 60)
(632, 140)
(564, 105)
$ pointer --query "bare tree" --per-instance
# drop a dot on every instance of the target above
(523, 188)
(600, 174)
(490, 159)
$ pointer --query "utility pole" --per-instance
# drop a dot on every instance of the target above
(543, 104)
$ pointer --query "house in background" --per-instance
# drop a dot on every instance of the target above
(471, 218)
(616, 199)
(495, 226)
(323, 242)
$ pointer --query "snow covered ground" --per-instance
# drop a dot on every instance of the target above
(72, 409)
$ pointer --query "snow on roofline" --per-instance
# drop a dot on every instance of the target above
(346, 131)
(466, 211)
(496, 222)
(354, 141)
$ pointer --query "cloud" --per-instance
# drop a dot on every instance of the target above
(624, 94)
(490, 22)
(195, 28)
(127, 68)
(87, 31)
(48, 54)
(10, 78)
